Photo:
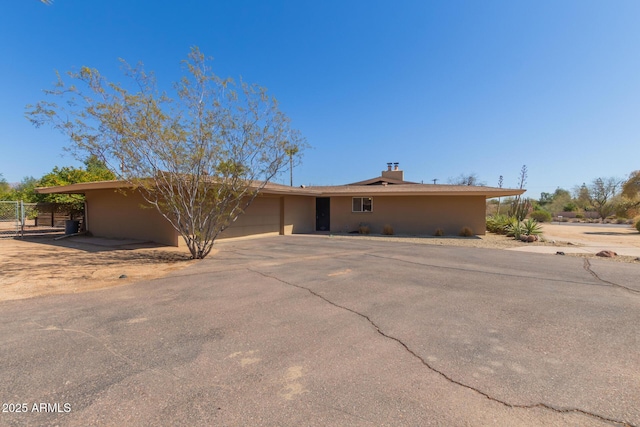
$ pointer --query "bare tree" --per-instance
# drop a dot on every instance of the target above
(200, 159)
(470, 179)
(602, 192)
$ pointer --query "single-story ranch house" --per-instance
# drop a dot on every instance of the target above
(409, 208)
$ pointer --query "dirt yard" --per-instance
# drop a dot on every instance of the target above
(42, 266)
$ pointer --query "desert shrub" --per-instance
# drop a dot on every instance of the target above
(387, 230)
(621, 221)
(541, 216)
(514, 228)
(466, 232)
(637, 220)
(579, 216)
(439, 232)
(364, 229)
(497, 224)
(492, 224)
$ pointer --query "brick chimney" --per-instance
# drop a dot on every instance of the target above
(394, 173)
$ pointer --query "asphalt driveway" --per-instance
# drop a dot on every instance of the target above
(314, 330)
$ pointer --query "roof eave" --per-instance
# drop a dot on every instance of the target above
(83, 187)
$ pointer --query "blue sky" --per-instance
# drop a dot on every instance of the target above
(442, 87)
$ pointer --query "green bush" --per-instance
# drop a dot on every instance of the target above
(541, 216)
(638, 225)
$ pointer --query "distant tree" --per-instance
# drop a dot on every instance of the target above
(199, 159)
(4, 186)
(545, 198)
(630, 199)
(560, 201)
(631, 187)
(25, 190)
(582, 197)
(22, 191)
(291, 152)
(602, 193)
(470, 179)
(94, 170)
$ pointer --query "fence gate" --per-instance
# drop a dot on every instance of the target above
(10, 219)
(14, 216)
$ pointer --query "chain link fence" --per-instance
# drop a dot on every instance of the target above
(16, 217)
(10, 218)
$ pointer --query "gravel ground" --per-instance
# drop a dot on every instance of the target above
(575, 236)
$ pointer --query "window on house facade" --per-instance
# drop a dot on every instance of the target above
(362, 204)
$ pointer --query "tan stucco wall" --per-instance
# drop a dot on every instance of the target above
(261, 217)
(299, 214)
(412, 215)
(112, 214)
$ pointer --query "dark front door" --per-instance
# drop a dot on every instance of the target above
(322, 214)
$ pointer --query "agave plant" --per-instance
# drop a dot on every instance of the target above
(531, 227)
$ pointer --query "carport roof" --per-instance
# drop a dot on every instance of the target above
(81, 188)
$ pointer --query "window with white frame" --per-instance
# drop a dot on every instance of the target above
(362, 204)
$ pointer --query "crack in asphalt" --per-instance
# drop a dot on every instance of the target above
(441, 373)
(469, 270)
(587, 266)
